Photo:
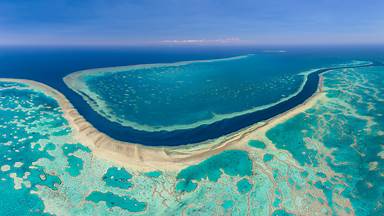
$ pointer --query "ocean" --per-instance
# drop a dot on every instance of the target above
(269, 75)
(327, 158)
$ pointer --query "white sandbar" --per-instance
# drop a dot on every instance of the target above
(147, 158)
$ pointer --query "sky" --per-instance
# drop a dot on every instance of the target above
(180, 22)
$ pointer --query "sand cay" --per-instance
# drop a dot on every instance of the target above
(145, 158)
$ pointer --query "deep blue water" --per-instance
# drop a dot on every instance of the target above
(49, 65)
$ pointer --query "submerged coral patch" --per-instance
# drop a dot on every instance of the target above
(153, 174)
(113, 200)
(256, 144)
(244, 186)
(232, 163)
(75, 164)
(118, 177)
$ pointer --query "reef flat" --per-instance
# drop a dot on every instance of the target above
(147, 94)
(160, 97)
(324, 157)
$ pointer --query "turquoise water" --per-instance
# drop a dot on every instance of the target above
(233, 163)
(267, 157)
(328, 159)
(153, 174)
(227, 204)
(256, 144)
(112, 200)
(352, 124)
(243, 186)
(75, 164)
(187, 95)
(118, 178)
(21, 113)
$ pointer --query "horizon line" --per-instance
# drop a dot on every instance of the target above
(183, 45)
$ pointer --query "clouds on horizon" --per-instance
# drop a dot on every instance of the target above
(233, 40)
(190, 21)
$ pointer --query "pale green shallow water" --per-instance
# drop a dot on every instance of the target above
(315, 163)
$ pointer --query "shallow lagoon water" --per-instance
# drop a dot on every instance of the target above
(320, 162)
(188, 94)
(194, 101)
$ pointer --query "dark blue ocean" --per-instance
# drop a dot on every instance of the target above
(50, 64)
